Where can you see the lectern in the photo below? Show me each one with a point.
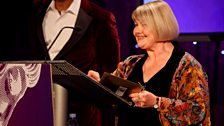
(28, 96)
(74, 79)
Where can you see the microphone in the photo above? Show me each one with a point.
(74, 28)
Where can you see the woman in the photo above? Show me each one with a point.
(176, 86)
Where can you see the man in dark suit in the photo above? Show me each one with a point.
(91, 42)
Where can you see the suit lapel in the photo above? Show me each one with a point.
(82, 24)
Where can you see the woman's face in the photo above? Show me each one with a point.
(143, 35)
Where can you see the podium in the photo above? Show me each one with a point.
(49, 73)
(77, 81)
(39, 96)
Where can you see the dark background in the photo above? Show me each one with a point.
(208, 50)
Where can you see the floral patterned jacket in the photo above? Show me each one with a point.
(188, 100)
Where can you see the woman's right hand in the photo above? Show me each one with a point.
(94, 75)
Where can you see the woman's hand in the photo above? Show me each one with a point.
(94, 75)
(143, 99)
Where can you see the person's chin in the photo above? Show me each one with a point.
(140, 45)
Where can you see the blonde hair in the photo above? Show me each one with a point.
(159, 17)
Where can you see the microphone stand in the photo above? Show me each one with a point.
(58, 36)
(74, 28)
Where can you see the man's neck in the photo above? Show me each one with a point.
(61, 5)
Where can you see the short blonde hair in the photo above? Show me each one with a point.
(159, 17)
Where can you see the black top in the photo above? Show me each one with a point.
(159, 85)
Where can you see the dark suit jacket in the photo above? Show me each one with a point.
(94, 43)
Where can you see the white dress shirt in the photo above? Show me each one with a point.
(54, 21)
